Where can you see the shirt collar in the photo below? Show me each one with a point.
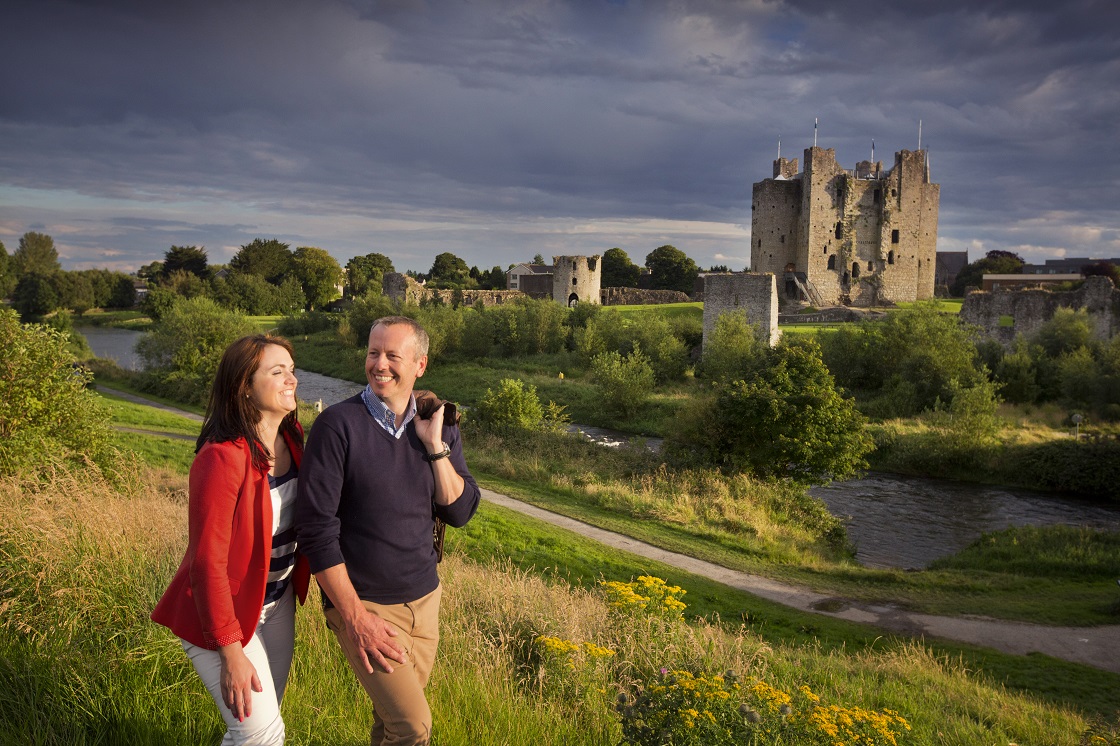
(384, 416)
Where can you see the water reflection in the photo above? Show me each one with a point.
(898, 521)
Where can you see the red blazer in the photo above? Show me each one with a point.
(217, 593)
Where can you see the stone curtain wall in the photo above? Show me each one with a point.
(755, 293)
(402, 287)
(639, 297)
(1033, 307)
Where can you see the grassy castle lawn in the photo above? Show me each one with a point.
(527, 656)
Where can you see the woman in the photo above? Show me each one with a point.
(236, 620)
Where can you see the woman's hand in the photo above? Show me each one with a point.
(239, 680)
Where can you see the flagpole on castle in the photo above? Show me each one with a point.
(814, 132)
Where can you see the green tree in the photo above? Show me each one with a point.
(269, 259)
(618, 270)
(151, 272)
(993, 263)
(319, 275)
(47, 415)
(123, 293)
(671, 269)
(34, 296)
(537, 259)
(7, 273)
(36, 253)
(253, 295)
(365, 273)
(75, 291)
(190, 259)
(1067, 330)
(182, 349)
(448, 270)
(1096, 269)
(783, 419)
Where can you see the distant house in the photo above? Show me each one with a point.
(1016, 282)
(948, 264)
(531, 279)
(1065, 265)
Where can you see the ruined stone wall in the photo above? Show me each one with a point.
(403, 288)
(823, 200)
(576, 278)
(1031, 308)
(755, 293)
(640, 297)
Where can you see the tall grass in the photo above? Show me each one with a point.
(82, 564)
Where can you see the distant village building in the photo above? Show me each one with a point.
(947, 265)
(1065, 265)
(1018, 282)
(832, 236)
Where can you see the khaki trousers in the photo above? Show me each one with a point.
(400, 711)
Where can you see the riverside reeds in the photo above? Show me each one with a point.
(82, 561)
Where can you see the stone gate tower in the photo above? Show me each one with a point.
(833, 236)
(576, 278)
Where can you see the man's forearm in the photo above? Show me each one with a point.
(449, 483)
(335, 582)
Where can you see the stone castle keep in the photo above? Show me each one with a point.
(832, 236)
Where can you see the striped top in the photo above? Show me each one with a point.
(283, 489)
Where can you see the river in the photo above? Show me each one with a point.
(893, 520)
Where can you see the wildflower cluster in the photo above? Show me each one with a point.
(572, 668)
(649, 594)
(682, 708)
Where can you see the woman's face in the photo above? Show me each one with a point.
(273, 385)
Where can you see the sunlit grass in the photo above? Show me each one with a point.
(80, 663)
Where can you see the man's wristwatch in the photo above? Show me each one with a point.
(430, 457)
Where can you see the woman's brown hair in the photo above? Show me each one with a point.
(231, 413)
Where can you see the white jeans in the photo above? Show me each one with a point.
(270, 652)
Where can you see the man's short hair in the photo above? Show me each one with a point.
(418, 334)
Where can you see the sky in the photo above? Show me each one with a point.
(500, 129)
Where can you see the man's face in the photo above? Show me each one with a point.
(392, 365)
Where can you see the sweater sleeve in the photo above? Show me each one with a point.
(318, 493)
(459, 512)
(216, 476)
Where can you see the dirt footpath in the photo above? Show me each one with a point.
(1092, 646)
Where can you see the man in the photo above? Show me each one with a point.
(374, 476)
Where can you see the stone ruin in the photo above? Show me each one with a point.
(755, 293)
(1031, 308)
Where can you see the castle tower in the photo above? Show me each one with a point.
(833, 236)
(576, 278)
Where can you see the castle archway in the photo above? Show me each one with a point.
(572, 300)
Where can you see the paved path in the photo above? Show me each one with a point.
(1093, 646)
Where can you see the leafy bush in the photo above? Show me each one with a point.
(624, 382)
(783, 419)
(609, 331)
(515, 407)
(47, 415)
(182, 350)
(308, 323)
(365, 310)
(733, 346)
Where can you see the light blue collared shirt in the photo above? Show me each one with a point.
(384, 416)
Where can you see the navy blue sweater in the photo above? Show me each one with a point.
(367, 499)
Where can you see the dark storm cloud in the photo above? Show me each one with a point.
(485, 117)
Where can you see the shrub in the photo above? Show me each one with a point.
(733, 347)
(308, 323)
(624, 382)
(47, 414)
(366, 309)
(515, 407)
(182, 350)
(784, 419)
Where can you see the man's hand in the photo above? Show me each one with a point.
(430, 431)
(372, 636)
